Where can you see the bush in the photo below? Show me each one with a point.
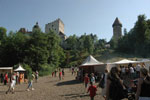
(28, 70)
(46, 69)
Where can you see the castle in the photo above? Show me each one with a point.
(57, 26)
(117, 29)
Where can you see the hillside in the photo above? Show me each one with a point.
(111, 56)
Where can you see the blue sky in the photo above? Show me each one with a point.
(79, 16)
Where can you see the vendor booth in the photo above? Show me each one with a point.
(91, 65)
(124, 62)
(6, 70)
(3, 71)
(20, 74)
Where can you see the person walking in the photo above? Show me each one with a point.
(36, 76)
(5, 79)
(12, 84)
(103, 83)
(60, 74)
(92, 89)
(63, 73)
(86, 80)
(30, 83)
(143, 90)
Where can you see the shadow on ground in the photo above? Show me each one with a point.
(75, 95)
(71, 82)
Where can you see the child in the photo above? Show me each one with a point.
(92, 90)
(92, 78)
(86, 80)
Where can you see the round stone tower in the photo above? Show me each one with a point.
(117, 29)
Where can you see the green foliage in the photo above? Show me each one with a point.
(137, 40)
(28, 70)
(35, 50)
(46, 69)
(2, 33)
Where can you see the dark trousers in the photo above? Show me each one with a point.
(92, 98)
(5, 82)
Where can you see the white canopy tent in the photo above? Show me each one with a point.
(121, 62)
(90, 61)
(125, 61)
(90, 65)
(19, 69)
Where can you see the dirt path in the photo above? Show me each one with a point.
(50, 88)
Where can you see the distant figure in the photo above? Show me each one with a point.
(12, 84)
(92, 90)
(92, 79)
(86, 80)
(30, 84)
(131, 72)
(17, 78)
(2, 78)
(123, 72)
(72, 70)
(36, 76)
(138, 67)
(60, 75)
(143, 90)
(55, 73)
(5, 79)
(63, 73)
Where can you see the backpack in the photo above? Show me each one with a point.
(102, 82)
(116, 91)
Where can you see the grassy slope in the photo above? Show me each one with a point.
(111, 56)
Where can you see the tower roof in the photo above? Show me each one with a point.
(36, 26)
(117, 22)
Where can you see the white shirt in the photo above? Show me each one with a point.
(138, 67)
(123, 70)
(131, 70)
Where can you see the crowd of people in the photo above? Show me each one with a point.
(120, 82)
(61, 73)
(15, 78)
(115, 84)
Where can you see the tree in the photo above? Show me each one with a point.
(2, 33)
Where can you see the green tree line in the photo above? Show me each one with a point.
(46, 51)
(137, 40)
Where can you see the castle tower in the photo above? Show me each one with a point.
(36, 27)
(117, 29)
(57, 26)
